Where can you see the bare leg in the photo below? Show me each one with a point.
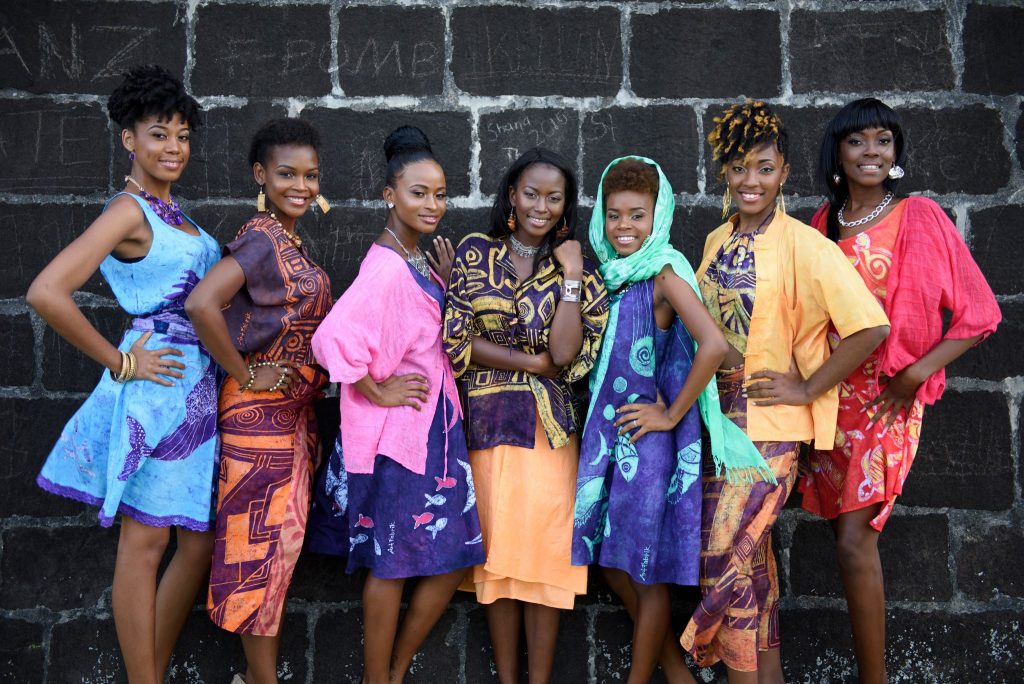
(861, 571)
(769, 667)
(382, 599)
(505, 621)
(429, 600)
(649, 629)
(673, 666)
(261, 658)
(738, 677)
(140, 549)
(176, 593)
(541, 637)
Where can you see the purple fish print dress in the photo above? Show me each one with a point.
(142, 449)
(638, 505)
(393, 521)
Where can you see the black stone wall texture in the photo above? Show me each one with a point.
(486, 80)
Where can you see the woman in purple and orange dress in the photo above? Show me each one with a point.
(275, 298)
(914, 261)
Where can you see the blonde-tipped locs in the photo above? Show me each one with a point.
(742, 128)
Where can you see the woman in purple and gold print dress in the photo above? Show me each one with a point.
(397, 495)
(144, 443)
(275, 297)
(524, 319)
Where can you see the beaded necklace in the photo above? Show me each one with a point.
(417, 260)
(169, 211)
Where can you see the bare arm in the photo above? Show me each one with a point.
(566, 337)
(121, 229)
(398, 390)
(771, 387)
(672, 291)
(203, 307)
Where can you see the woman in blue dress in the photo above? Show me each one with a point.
(144, 443)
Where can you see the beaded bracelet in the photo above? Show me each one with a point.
(252, 375)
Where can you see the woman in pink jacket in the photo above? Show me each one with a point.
(397, 494)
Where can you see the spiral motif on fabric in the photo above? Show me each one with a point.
(309, 285)
(473, 256)
(525, 310)
(878, 264)
(641, 356)
(250, 416)
(293, 343)
(283, 419)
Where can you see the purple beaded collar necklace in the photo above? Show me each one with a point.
(169, 212)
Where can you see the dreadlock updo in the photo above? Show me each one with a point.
(631, 175)
(742, 128)
(151, 90)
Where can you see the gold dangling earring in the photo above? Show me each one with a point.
(780, 201)
(261, 201)
(322, 202)
(512, 220)
(726, 202)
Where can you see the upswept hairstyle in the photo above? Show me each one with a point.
(631, 175)
(151, 90)
(284, 133)
(503, 205)
(405, 145)
(858, 115)
(743, 127)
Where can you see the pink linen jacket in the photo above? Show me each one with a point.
(383, 325)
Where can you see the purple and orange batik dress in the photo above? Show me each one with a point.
(268, 439)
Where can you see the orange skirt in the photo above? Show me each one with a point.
(525, 498)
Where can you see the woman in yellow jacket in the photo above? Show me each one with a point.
(775, 287)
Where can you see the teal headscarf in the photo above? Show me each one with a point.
(730, 446)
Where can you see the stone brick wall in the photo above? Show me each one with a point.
(486, 80)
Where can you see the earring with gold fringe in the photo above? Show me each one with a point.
(261, 201)
(780, 201)
(322, 202)
(726, 202)
(511, 220)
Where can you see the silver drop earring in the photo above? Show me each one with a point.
(896, 172)
(390, 205)
(836, 179)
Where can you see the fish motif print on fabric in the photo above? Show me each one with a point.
(637, 507)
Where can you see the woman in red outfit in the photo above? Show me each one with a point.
(917, 265)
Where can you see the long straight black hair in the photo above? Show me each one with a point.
(503, 205)
(859, 115)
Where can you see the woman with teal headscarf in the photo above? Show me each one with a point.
(638, 494)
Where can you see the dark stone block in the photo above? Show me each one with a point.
(869, 51)
(85, 649)
(262, 50)
(941, 159)
(21, 650)
(16, 342)
(992, 64)
(85, 47)
(1020, 137)
(997, 248)
(613, 647)
(438, 659)
(206, 653)
(352, 159)
(804, 126)
(964, 460)
(338, 634)
(28, 430)
(998, 356)
(391, 50)
(691, 226)
(219, 165)
(691, 53)
(502, 50)
(458, 223)
(36, 571)
(53, 147)
(223, 221)
(507, 134)
(340, 240)
(321, 578)
(985, 560)
(920, 576)
(666, 134)
(33, 234)
(66, 368)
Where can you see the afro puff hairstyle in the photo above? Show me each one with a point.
(281, 133)
(631, 175)
(151, 90)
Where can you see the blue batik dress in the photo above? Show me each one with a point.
(638, 505)
(143, 449)
(393, 521)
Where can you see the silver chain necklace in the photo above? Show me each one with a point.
(417, 260)
(867, 219)
(522, 250)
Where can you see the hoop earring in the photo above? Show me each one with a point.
(780, 201)
(896, 172)
(511, 222)
(261, 201)
(563, 232)
(726, 202)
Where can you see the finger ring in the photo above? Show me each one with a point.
(634, 424)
